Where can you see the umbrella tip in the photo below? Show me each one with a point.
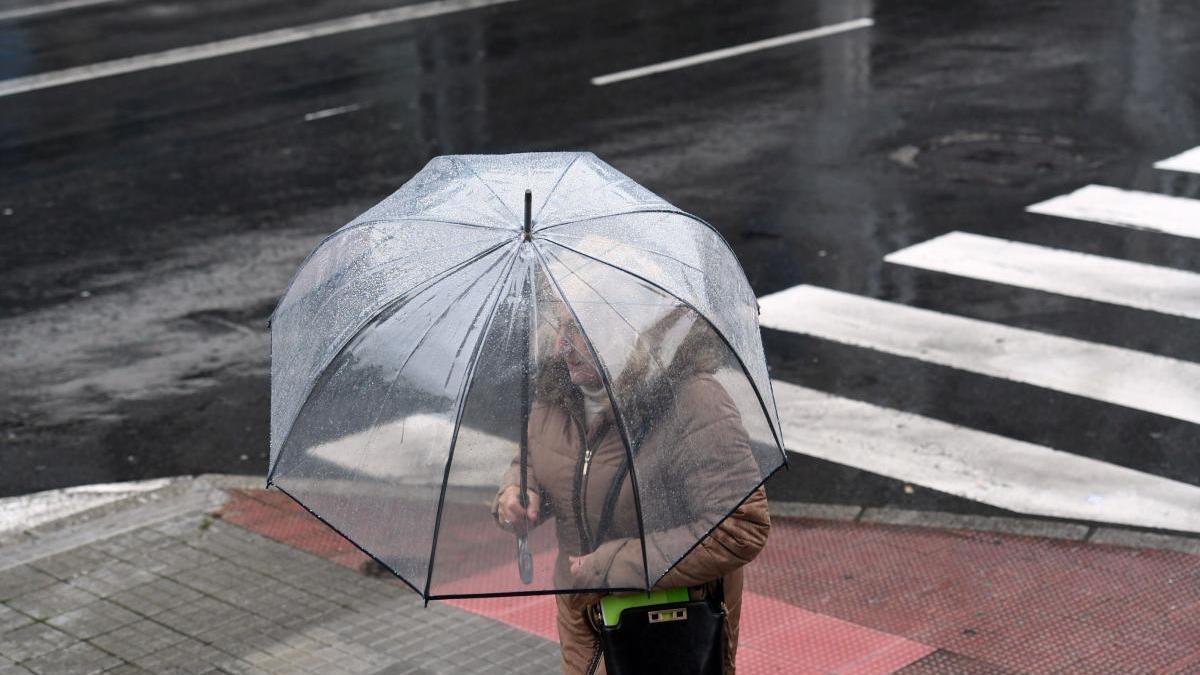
(528, 215)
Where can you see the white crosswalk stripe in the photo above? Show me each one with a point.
(987, 468)
(1127, 208)
(1079, 275)
(1187, 161)
(1155, 384)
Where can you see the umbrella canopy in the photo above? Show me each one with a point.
(415, 342)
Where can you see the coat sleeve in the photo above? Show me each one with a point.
(735, 542)
(714, 443)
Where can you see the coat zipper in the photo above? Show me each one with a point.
(581, 480)
(595, 662)
(581, 506)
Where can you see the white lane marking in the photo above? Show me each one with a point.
(1156, 384)
(980, 466)
(728, 52)
(238, 45)
(49, 7)
(330, 112)
(1080, 275)
(1188, 161)
(1127, 208)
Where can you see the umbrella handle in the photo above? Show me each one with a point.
(524, 559)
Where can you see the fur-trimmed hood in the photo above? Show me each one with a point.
(677, 346)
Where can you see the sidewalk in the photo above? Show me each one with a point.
(212, 576)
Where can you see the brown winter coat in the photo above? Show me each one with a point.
(698, 453)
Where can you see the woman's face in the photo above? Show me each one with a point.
(574, 351)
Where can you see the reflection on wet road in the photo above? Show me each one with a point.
(1027, 169)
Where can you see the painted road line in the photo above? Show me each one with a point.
(1079, 275)
(1155, 384)
(239, 45)
(728, 52)
(988, 468)
(1188, 161)
(332, 112)
(49, 8)
(1127, 208)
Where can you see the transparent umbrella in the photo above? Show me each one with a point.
(533, 322)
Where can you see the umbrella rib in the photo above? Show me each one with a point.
(389, 263)
(414, 219)
(489, 189)
(636, 332)
(374, 427)
(526, 594)
(612, 400)
(354, 226)
(761, 402)
(611, 214)
(464, 393)
(554, 187)
(383, 308)
(673, 210)
(636, 248)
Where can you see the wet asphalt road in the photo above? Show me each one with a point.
(151, 219)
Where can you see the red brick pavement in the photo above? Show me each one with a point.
(831, 596)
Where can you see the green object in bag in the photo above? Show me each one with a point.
(612, 605)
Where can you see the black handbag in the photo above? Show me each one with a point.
(682, 638)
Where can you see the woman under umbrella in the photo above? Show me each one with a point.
(691, 448)
(414, 360)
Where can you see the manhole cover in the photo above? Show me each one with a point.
(997, 158)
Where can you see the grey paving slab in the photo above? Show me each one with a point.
(127, 669)
(186, 599)
(186, 656)
(78, 659)
(134, 545)
(112, 578)
(402, 668)
(138, 639)
(93, 619)
(158, 595)
(22, 580)
(171, 561)
(32, 641)
(11, 619)
(52, 601)
(201, 616)
(67, 565)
